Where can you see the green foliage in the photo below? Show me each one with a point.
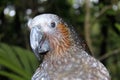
(118, 26)
(18, 63)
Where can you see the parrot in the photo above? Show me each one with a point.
(64, 56)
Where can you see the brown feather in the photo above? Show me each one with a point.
(60, 44)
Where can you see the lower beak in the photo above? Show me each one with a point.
(38, 41)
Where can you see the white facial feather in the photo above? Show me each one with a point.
(44, 21)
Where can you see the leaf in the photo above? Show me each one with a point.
(20, 61)
(117, 26)
(11, 75)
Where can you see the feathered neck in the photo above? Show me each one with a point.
(62, 45)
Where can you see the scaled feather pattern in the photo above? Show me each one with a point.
(65, 57)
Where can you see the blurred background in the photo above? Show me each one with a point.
(97, 21)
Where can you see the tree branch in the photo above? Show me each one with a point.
(104, 10)
(87, 24)
(116, 51)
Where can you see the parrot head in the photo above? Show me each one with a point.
(49, 33)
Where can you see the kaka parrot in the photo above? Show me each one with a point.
(65, 58)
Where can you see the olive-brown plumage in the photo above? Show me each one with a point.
(65, 58)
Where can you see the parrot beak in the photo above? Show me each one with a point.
(38, 41)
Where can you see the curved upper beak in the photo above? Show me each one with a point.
(38, 41)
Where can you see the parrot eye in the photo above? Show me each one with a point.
(53, 24)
